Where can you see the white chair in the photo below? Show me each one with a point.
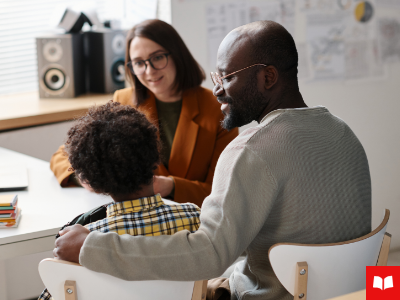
(70, 281)
(316, 272)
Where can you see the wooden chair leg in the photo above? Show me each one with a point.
(70, 290)
(300, 284)
(200, 290)
(384, 253)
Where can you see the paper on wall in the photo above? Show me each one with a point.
(221, 18)
(216, 29)
(340, 43)
(362, 57)
(389, 39)
(282, 12)
(363, 60)
(325, 37)
(237, 15)
(344, 45)
(324, 6)
(389, 4)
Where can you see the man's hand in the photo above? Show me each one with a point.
(68, 245)
(163, 185)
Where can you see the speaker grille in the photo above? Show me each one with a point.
(54, 79)
(118, 44)
(52, 50)
(118, 71)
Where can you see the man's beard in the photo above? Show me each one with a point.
(246, 107)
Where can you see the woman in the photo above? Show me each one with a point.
(166, 87)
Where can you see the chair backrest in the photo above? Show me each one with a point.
(333, 269)
(59, 276)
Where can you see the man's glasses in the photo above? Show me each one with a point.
(157, 62)
(217, 79)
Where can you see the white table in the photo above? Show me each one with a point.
(45, 208)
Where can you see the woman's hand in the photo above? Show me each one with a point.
(163, 185)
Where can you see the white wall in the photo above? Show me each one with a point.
(370, 109)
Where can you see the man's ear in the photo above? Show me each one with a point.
(271, 76)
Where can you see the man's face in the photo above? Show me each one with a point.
(242, 103)
(241, 96)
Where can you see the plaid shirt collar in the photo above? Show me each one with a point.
(141, 204)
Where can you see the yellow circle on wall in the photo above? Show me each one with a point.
(363, 11)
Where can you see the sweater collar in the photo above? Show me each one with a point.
(273, 114)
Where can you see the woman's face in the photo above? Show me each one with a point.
(160, 82)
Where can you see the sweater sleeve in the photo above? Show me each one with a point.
(242, 196)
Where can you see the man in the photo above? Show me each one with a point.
(300, 176)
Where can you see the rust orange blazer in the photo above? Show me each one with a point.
(198, 142)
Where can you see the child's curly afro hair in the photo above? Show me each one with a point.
(113, 148)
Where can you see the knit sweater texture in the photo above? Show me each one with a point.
(300, 176)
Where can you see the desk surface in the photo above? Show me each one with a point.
(26, 109)
(45, 205)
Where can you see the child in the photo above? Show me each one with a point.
(114, 150)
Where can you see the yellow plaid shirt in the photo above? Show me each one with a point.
(148, 216)
(145, 216)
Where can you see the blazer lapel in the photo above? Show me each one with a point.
(185, 135)
(149, 108)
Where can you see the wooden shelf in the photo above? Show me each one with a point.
(27, 109)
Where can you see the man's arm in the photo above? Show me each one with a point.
(241, 199)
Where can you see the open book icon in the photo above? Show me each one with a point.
(383, 284)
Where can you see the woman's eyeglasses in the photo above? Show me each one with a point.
(157, 62)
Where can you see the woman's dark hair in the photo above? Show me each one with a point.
(114, 149)
(189, 73)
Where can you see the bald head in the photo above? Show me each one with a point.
(265, 42)
(258, 66)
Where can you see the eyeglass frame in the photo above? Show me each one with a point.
(223, 77)
(149, 60)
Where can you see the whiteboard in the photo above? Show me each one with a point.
(369, 107)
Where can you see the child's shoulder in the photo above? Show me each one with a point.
(182, 206)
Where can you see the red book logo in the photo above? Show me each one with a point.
(379, 283)
(383, 283)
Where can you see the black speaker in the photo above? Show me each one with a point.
(105, 56)
(61, 68)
